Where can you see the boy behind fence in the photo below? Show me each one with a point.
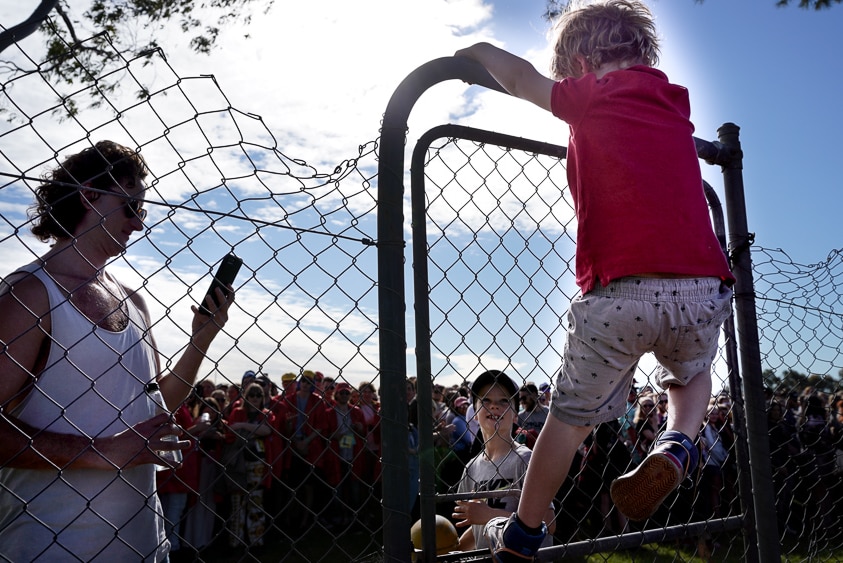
(501, 465)
(652, 274)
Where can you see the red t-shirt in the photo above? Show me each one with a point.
(635, 178)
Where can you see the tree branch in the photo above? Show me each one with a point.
(28, 27)
(67, 23)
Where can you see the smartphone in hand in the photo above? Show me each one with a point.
(224, 277)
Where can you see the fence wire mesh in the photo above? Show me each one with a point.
(500, 244)
(305, 305)
(498, 258)
(501, 275)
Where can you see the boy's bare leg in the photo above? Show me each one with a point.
(518, 538)
(549, 465)
(687, 406)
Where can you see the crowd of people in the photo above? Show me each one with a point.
(806, 452)
(269, 461)
(806, 445)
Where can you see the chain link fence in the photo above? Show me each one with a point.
(497, 251)
(305, 305)
(498, 276)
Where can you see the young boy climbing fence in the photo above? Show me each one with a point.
(651, 271)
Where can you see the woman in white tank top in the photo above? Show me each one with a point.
(78, 432)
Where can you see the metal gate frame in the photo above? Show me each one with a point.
(742, 349)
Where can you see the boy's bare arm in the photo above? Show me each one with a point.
(514, 74)
(468, 512)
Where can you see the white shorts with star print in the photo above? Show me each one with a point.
(610, 328)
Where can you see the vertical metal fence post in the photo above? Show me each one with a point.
(391, 302)
(392, 342)
(750, 355)
(424, 371)
(734, 378)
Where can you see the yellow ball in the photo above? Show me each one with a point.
(447, 539)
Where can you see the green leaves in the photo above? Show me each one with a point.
(815, 4)
(123, 30)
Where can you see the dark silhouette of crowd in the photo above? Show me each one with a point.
(806, 451)
(806, 445)
(276, 463)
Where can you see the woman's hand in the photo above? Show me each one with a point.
(137, 445)
(205, 327)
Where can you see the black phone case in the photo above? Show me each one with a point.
(225, 275)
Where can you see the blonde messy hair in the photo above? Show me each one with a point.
(601, 32)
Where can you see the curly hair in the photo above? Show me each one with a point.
(57, 212)
(605, 31)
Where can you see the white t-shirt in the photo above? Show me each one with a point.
(481, 474)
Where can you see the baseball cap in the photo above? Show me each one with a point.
(491, 377)
(460, 401)
(309, 375)
(288, 377)
(544, 387)
(342, 386)
(247, 375)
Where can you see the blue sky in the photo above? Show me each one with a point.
(775, 72)
(320, 76)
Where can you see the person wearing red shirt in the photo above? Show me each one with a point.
(371, 452)
(306, 425)
(176, 486)
(652, 274)
(344, 467)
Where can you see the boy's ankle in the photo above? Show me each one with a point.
(509, 540)
(538, 530)
(681, 448)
